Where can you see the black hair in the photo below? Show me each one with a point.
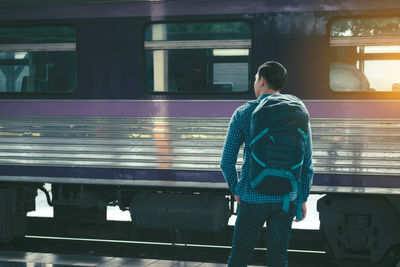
(274, 74)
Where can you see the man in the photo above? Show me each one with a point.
(255, 208)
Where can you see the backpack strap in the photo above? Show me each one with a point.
(260, 135)
(303, 134)
(286, 203)
(286, 198)
(254, 102)
(299, 209)
(297, 165)
(258, 160)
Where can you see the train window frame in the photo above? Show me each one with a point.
(335, 41)
(47, 50)
(213, 44)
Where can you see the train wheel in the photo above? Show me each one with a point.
(391, 259)
(361, 230)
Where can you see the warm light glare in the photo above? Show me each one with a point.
(382, 74)
(382, 49)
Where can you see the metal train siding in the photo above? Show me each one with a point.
(119, 103)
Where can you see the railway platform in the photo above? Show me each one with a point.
(34, 259)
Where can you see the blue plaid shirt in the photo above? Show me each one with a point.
(239, 132)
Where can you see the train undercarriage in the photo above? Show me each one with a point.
(355, 230)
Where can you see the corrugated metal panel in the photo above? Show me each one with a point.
(340, 146)
(356, 146)
(166, 143)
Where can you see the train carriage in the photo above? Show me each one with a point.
(127, 103)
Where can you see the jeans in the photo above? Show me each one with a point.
(250, 220)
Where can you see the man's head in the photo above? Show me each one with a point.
(271, 77)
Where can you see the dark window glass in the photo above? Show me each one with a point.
(198, 57)
(37, 59)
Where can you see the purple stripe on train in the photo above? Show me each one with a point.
(317, 109)
(113, 173)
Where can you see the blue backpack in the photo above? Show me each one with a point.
(278, 128)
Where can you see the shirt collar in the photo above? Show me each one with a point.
(263, 96)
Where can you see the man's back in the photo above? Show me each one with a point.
(239, 133)
(256, 208)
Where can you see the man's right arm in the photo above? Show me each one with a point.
(234, 139)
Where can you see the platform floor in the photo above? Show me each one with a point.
(34, 259)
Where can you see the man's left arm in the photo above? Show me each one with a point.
(307, 172)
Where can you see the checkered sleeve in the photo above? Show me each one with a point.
(308, 169)
(233, 141)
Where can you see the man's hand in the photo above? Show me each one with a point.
(304, 210)
(237, 198)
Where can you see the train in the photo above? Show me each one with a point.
(127, 103)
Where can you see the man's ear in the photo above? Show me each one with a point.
(262, 81)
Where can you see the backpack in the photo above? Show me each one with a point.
(278, 129)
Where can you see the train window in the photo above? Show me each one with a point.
(201, 57)
(365, 54)
(37, 59)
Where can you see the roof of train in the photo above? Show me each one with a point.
(283, 4)
(58, 9)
